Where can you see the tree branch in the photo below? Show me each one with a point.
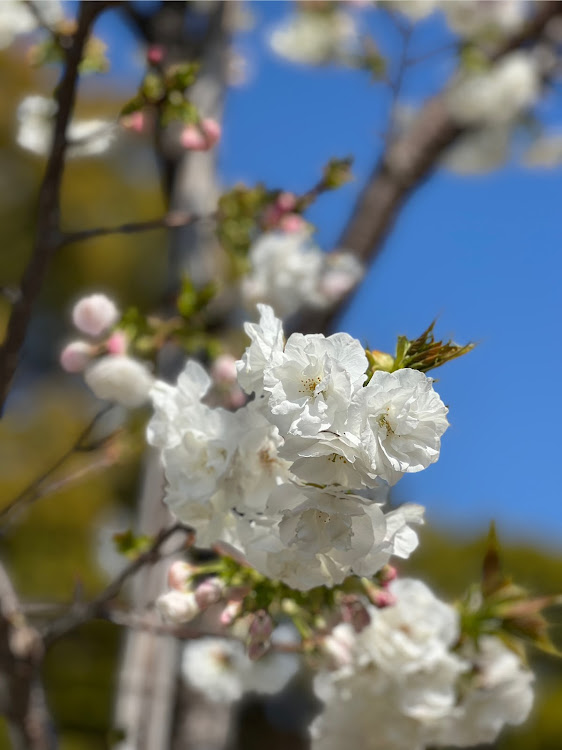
(34, 489)
(47, 237)
(403, 167)
(97, 608)
(170, 220)
(22, 699)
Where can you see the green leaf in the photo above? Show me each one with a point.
(131, 545)
(424, 353)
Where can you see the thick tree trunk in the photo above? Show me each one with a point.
(148, 682)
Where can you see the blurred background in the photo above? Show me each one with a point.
(479, 252)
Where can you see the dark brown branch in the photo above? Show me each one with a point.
(48, 237)
(97, 608)
(35, 489)
(170, 220)
(405, 164)
(22, 701)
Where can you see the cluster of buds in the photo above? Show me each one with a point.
(192, 591)
(282, 215)
(163, 94)
(108, 370)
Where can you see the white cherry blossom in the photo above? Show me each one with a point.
(223, 672)
(403, 422)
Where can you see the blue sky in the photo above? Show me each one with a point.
(481, 253)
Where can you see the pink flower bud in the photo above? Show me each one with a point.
(135, 122)
(230, 613)
(177, 607)
(201, 137)
(292, 223)
(223, 370)
(180, 574)
(209, 592)
(286, 202)
(155, 54)
(76, 356)
(387, 574)
(355, 613)
(271, 216)
(117, 343)
(259, 635)
(94, 314)
(236, 397)
(339, 644)
(382, 598)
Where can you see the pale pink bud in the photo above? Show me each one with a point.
(209, 592)
(180, 574)
(339, 644)
(387, 574)
(286, 202)
(236, 397)
(94, 314)
(230, 613)
(135, 122)
(177, 607)
(117, 343)
(155, 54)
(76, 356)
(121, 379)
(355, 613)
(223, 370)
(292, 223)
(272, 216)
(201, 137)
(382, 598)
(259, 635)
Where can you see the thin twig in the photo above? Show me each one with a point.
(97, 608)
(48, 236)
(22, 701)
(170, 220)
(424, 56)
(35, 489)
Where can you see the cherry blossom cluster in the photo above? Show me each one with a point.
(109, 372)
(288, 271)
(296, 480)
(408, 681)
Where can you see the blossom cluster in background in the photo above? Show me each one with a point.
(407, 681)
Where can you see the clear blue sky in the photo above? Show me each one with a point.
(482, 253)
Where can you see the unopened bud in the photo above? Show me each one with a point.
(121, 379)
(286, 201)
(94, 314)
(383, 598)
(387, 574)
(292, 223)
(201, 137)
(339, 644)
(76, 356)
(136, 122)
(380, 360)
(177, 607)
(230, 613)
(223, 370)
(117, 343)
(209, 592)
(180, 574)
(355, 613)
(155, 54)
(259, 635)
